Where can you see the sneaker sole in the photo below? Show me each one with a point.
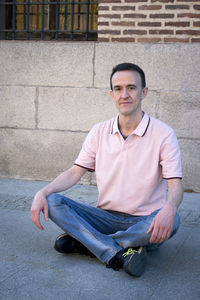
(77, 247)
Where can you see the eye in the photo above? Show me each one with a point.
(132, 87)
(117, 88)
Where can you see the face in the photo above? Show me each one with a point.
(127, 92)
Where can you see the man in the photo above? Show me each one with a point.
(134, 156)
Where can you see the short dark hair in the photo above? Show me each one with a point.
(128, 67)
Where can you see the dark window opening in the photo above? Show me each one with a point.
(48, 20)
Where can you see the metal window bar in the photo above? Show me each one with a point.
(57, 19)
(28, 21)
(13, 21)
(40, 19)
(87, 20)
(42, 27)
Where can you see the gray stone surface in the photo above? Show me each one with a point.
(31, 269)
(167, 66)
(150, 104)
(18, 107)
(190, 156)
(46, 64)
(180, 277)
(37, 154)
(185, 119)
(73, 109)
(52, 94)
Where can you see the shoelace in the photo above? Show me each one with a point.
(129, 252)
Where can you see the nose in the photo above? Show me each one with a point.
(125, 93)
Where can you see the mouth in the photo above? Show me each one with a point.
(125, 103)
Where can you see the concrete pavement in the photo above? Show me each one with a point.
(31, 269)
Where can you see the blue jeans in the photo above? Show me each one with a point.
(103, 232)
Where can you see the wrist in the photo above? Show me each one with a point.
(43, 193)
(172, 206)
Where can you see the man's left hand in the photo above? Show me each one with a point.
(162, 224)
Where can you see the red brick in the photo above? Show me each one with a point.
(177, 6)
(109, 16)
(109, 1)
(161, 31)
(149, 24)
(150, 7)
(103, 39)
(163, 1)
(189, 15)
(187, 0)
(195, 40)
(123, 23)
(177, 24)
(197, 23)
(148, 40)
(108, 31)
(123, 39)
(135, 1)
(103, 23)
(135, 16)
(161, 16)
(103, 8)
(123, 8)
(176, 40)
(137, 32)
(196, 6)
(188, 32)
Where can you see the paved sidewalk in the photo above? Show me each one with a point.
(31, 269)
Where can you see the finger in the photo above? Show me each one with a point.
(154, 235)
(163, 235)
(168, 234)
(151, 227)
(36, 219)
(46, 212)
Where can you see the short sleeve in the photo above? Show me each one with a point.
(87, 156)
(170, 158)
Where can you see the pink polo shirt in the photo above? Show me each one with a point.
(131, 173)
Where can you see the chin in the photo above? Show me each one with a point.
(126, 113)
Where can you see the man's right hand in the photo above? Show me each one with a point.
(39, 204)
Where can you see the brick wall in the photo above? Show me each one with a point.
(149, 21)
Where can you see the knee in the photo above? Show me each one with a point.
(53, 199)
(54, 203)
(176, 225)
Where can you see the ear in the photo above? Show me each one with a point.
(144, 92)
(112, 94)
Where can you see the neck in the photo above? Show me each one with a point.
(127, 124)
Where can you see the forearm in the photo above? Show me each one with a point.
(162, 224)
(64, 181)
(175, 192)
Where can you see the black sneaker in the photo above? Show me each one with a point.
(135, 261)
(132, 260)
(67, 244)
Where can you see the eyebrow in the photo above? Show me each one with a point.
(129, 85)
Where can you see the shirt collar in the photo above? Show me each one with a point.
(141, 128)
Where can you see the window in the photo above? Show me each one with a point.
(48, 20)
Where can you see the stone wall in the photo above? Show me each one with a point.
(52, 93)
(149, 21)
